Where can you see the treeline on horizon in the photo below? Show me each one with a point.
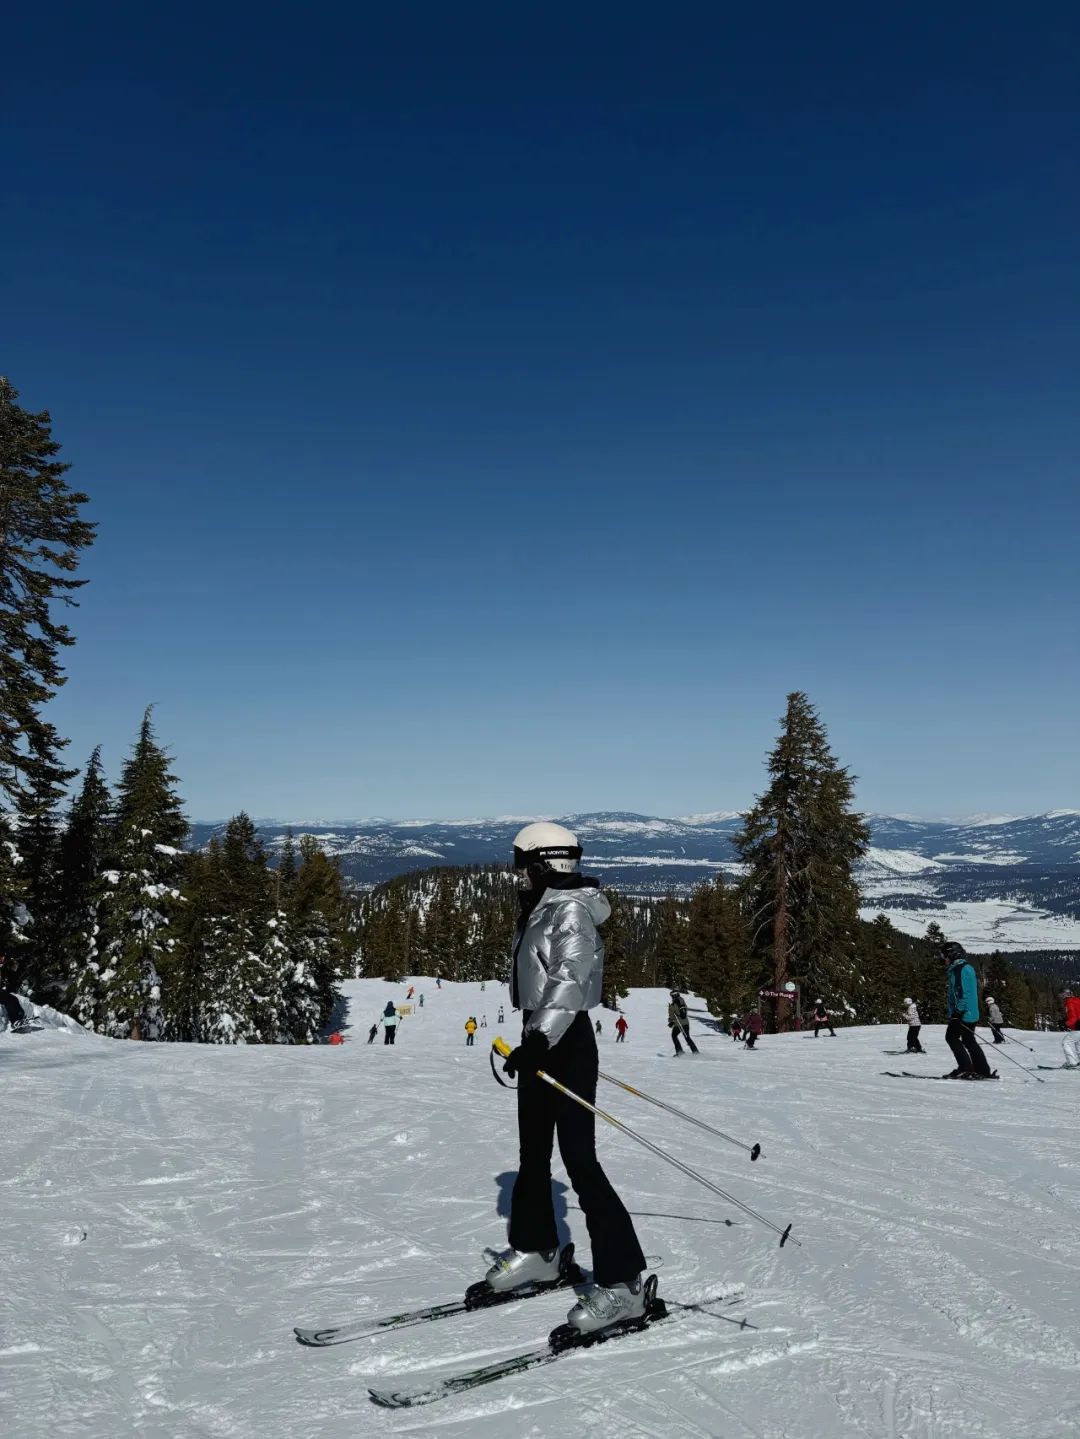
(456, 922)
(105, 913)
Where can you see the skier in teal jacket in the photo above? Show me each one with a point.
(962, 994)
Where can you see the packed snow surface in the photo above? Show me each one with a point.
(169, 1212)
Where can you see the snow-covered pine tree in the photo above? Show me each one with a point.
(80, 886)
(241, 1000)
(800, 843)
(41, 536)
(144, 869)
(319, 946)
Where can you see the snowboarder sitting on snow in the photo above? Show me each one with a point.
(752, 1027)
(914, 1024)
(962, 996)
(621, 1027)
(995, 1019)
(1071, 1043)
(556, 978)
(822, 1019)
(470, 1030)
(679, 1022)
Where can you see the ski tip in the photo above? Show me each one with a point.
(755, 1153)
(784, 1237)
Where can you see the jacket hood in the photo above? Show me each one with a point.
(594, 901)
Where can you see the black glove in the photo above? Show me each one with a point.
(529, 1055)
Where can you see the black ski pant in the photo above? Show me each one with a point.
(913, 1045)
(751, 1040)
(12, 1008)
(389, 1033)
(543, 1112)
(827, 1026)
(967, 1051)
(469, 1039)
(995, 1029)
(676, 1031)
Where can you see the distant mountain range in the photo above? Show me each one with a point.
(993, 882)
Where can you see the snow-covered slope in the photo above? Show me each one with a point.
(169, 1212)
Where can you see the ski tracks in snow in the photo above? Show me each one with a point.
(228, 1194)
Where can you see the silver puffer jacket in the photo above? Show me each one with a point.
(558, 964)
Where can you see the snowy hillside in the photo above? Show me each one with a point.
(170, 1212)
(1009, 883)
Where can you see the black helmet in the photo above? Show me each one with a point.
(951, 950)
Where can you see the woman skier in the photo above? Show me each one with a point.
(556, 978)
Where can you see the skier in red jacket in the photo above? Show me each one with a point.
(621, 1027)
(1071, 1043)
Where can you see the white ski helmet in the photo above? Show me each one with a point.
(908, 999)
(989, 999)
(548, 846)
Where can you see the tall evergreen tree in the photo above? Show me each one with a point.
(145, 866)
(35, 951)
(80, 886)
(241, 999)
(41, 536)
(718, 964)
(800, 843)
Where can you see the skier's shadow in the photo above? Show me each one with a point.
(559, 1191)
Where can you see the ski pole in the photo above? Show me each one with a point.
(754, 1149)
(971, 1030)
(501, 1047)
(1010, 1040)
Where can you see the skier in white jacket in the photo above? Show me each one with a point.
(914, 1024)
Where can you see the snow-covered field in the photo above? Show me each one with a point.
(169, 1212)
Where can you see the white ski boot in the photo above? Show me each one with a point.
(513, 1269)
(602, 1306)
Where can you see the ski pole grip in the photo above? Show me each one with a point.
(500, 1046)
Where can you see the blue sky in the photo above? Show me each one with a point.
(492, 412)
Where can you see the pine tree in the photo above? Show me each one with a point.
(41, 536)
(800, 843)
(882, 976)
(617, 935)
(718, 965)
(669, 968)
(145, 865)
(927, 984)
(320, 941)
(35, 952)
(80, 887)
(241, 1002)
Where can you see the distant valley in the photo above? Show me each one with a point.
(994, 883)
